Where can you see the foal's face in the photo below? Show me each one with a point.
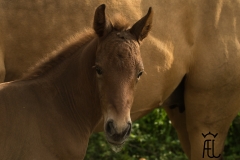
(118, 69)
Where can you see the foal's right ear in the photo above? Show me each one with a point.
(142, 27)
(101, 24)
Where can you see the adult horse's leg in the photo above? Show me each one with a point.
(178, 121)
(208, 118)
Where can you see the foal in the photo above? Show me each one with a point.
(51, 113)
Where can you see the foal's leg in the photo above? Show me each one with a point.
(209, 112)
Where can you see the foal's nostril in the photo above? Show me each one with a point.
(128, 130)
(110, 129)
(112, 133)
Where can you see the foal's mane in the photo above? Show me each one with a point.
(70, 47)
(62, 52)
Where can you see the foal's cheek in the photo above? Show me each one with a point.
(99, 85)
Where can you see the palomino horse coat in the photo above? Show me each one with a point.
(52, 111)
(195, 39)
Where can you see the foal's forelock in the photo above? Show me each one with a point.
(120, 51)
(126, 57)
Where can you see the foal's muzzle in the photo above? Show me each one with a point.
(117, 136)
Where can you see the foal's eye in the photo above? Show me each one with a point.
(139, 74)
(98, 70)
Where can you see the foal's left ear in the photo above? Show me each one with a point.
(101, 24)
(142, 27)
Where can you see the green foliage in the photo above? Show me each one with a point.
(232, 143)
(154, 138)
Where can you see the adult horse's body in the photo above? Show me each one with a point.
(198, 40)
(52, 111)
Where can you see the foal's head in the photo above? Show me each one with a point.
(118, 68)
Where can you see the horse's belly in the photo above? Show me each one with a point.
(215, 77)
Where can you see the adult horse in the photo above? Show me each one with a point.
(51, 112)
(198, 40)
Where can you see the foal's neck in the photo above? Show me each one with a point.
(75, 83)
